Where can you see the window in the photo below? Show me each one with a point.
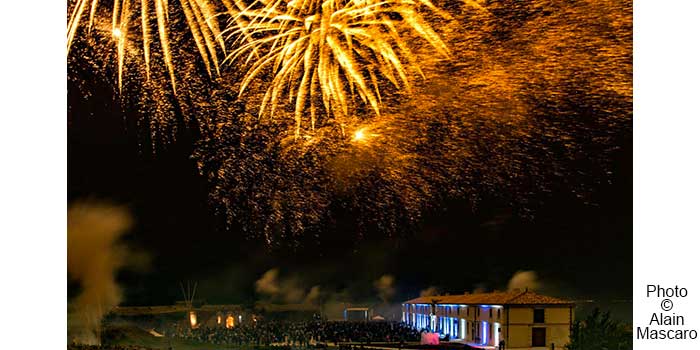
(539, 336)
(490, 313)
(538, 316)
(499, 314)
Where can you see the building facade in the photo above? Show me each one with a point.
(510, 320)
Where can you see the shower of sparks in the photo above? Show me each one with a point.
(536, 99)
(200, 16)
(328, 52)
(359, 135)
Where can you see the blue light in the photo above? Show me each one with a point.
(484, 324)
(496, 327)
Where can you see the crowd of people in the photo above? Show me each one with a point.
(300, 334)
(106, 347)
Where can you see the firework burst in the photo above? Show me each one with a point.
(507, 120)
(328, 52)
(153, 16)
(533, 100)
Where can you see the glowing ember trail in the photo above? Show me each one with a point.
(506, 117)
(328, 52)
(201, 20)
(328, 106)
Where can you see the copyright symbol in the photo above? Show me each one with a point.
(666, 305)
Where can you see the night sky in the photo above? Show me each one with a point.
(584, 249)
(580, 250)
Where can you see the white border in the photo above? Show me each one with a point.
(33, 176)
(33, 167)
(666, 160)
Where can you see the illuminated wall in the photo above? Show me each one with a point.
(193, 319)
(556, 322)
(488, 325)
(477, 324)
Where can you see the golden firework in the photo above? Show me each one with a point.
(507, 120)
(327, 52)
(199, 14)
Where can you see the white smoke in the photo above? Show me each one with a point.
(313, 295)
(267, 284)
(288, 290)
(94, 256)
(385, 287)
(430, 291)
(524, 280)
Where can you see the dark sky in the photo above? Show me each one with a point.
(577, 249)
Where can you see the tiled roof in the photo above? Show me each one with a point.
(515, 297)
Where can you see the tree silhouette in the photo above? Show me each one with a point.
(599, 332)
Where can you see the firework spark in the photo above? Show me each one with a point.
(535, 99)
(507, 119)
(200, 16)
(329, 51)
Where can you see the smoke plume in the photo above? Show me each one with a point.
(94, 256)
(313, 295)
(430, 291)
(385, 287)
(288, 290)
(267, 284)
(524, 280)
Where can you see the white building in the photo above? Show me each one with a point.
(515, 319)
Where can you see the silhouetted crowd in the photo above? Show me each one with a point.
(106, 347)
(301, 334)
